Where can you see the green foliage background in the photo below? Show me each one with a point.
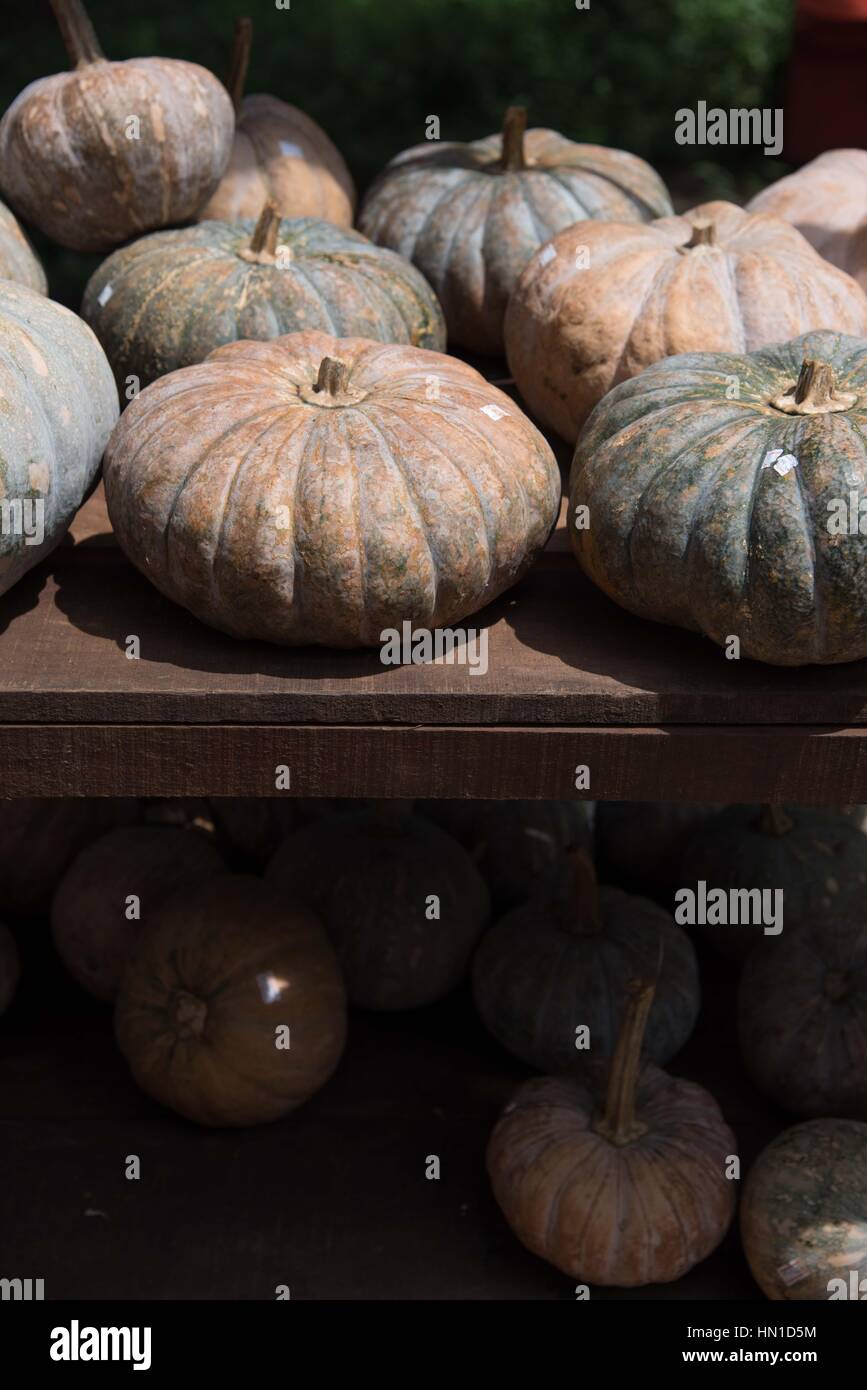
(371, 71)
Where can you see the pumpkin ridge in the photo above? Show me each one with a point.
(365, 283)
(368, 274)
(228, 277)
(439, 273)
(174, 273)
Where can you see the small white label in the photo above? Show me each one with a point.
(547, 254)
(287, 147)
(493, 412)
(104, 296)
(780, 462)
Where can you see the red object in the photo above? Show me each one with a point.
(826, 96)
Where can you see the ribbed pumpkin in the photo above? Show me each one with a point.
(603, 301)
(18, 261)
(804, 1212)
(40, 838)
(278, 154)
(401, 901)
(714, 485)
(564, 960)
(514, 843)
(471, 216)
(816, 858)
(9, 968)
(90, 914)
(802, 1016)
(319, 489)
(231, 1010)
(250, 829)
(170, 299)
(616, 1176)
(641, 843)
(110, 150)
(59, 404)
(827, 202)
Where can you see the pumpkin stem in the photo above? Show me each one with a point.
(334, 378)
(77, 32)
(775, 821)
(619, 1124)
(239, 60)
(514, 127)
(586, 917)
(190, 1014)
(814, 393)
(263, 243)
(703, 234)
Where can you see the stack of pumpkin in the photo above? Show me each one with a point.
(280, 370)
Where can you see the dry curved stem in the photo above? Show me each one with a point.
(77, 32)
(262, 249)
(585, 916)
(814, 393)
(619, 1124)
(239, 60)
(333, 377)
(514, 129)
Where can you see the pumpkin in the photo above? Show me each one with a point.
(18, 260)
(470, 216)
(721, 512)
(250, 829)
(401, 901)
(325, 490)
(642, 842)
(93, 922)
(9, 968)
(514, 843)
(59, 407)
(804, 1212)
(802, 1016)
(40, 838)
(95, 156)
(816, 858)
(618, 1175)
(827, 202)
(604, 300)
(564, 960)
(169, 299)
(231, 1009)
(278, 154)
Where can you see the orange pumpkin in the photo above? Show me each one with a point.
(232, 1009)
(616, 1176)
(9, 967)
(278, 154)
(827, 202)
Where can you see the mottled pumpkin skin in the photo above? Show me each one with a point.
(691, 522)
(827, 202)
(59, 405)
(18, 261)
(819, 863)
(471, 226)
(280, 153)
(604, 301)
(641, 843)
(274, 510)
(9, 967)
(67, 165)
(39, 838)
(544, 969)
(217, 971)
(370, 880)
(802, 1017)
(804, 1210)
(89, 924)
(170, 299)
(514, 843)
(639, 1213)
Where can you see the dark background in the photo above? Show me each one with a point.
(371, 71)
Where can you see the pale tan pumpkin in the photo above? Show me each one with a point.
(232, 1008)
(316, 489)
(617, 1175)
(74, 166)
(9, 967)
(827, 202)
(18, 260)
(602, 301)
(280, 154)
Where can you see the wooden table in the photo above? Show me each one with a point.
(653, 712)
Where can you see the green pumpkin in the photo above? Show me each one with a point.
(714, 491)
(167, 300)
(567, 957)
(640, 843)
(817, 858)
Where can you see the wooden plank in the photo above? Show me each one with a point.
(559, 653)
(820, 766)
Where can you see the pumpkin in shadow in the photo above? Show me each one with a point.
(10, 968)
(39, 838)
